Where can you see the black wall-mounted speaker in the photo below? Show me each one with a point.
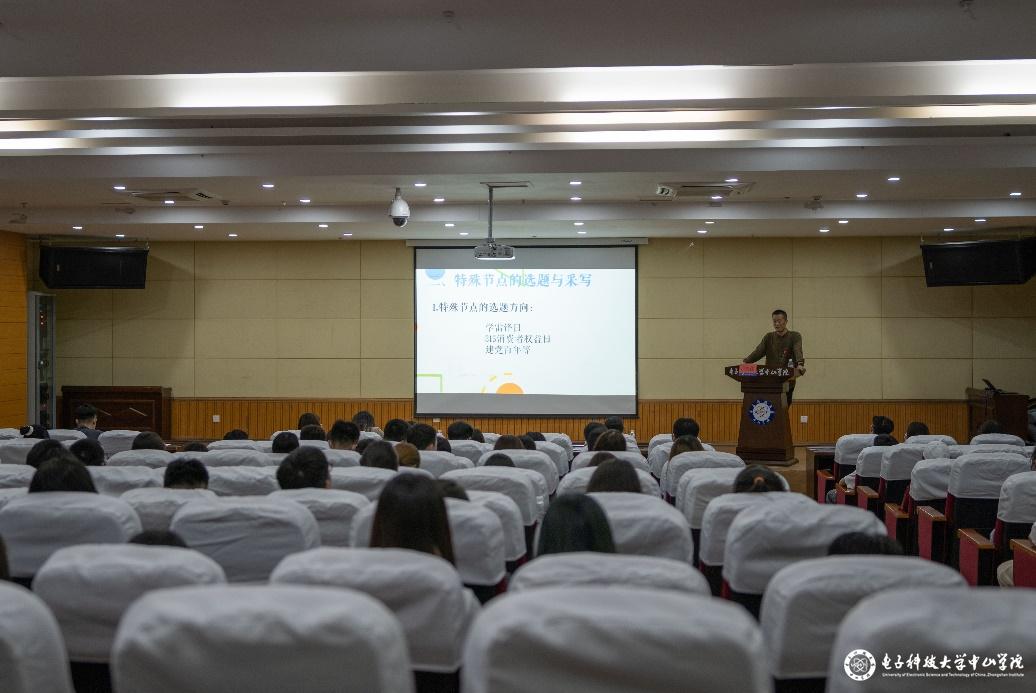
(71, 267)
(971, 263)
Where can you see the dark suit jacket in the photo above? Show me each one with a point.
(91, 433)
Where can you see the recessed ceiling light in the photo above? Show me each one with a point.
(732, 180)
(439, 199)
(980, 221)
(346, 234)
(1016, 194)
(420, 185)
(710, 222)
(77, 228)
(703, 231)
(231, 235)
(717, 197)
(449, 224)
(581, 233)
(575, 199)
(120, 235)
(199, 226)
(893, 179)
(304, 200)
(268, 186)
(861, 196)
(825, 230)
(321, 226)
(843, 221)
(577, 223)
(948, 228)
(575, 182)
(463, 233)
(170, 202)
(118, 187)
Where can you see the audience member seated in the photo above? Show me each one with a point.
(498, 459)
(308, 419)
(185, 473)
(147, 440)
(422, 436)
(599, 457)
(536, 436)
(89, 452)
(407, 455)
(990, 426)
(917, 428)
(757, 479)
(615, 476)
(442, 445)
(362, 444)
(344, 435)
(685, 444)
(86, 421)
(306, 467)
(195, 446)
(379, 453)
(312, 432)
(364, 421)
(64, 473)
(34, 431)
(158, 537)
(590, 433)
(610, 440)
(575, 522)
(459, 430)
(451, 489)
(883, 425)
(476, 435)
(528, 442)
(686, 426)
(396, 430)
(285, 441)
(854, 543)
(236, 434)
(614, 423)
(509, 443)
(43, 451)
(411, 514)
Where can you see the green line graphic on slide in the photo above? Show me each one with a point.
(437, 376)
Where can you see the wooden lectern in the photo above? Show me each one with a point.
(1011, 409)
(765, 432)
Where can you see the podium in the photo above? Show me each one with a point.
(1011, 409)
(765, 431)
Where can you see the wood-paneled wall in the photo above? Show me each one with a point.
(827, 419)
(13, 288)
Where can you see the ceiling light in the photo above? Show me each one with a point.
(825, 230)
(843, 221)
(577, 223)
(732, 180)
(321, 226)
(575, 199)
(703, 231)
(980, 221)
(170, 202)
(304, 200)
(1016, 194)
(449, 224)
(420, 185)
(439, 199)
(463, 233)
(77, 228)
(716, 197)
(948, 228)
(268, 186)
(710, 222)
(581, 233)
(861, 196)
(346, 234)
(120, 235)
(231, 235)
(199, 226)
(575, 182)
(893, 179)
(118, 187)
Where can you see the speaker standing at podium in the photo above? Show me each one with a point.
(782, 347)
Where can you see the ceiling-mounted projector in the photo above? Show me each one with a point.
(491, 250)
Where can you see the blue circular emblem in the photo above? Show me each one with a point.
(762, 412)
(435, 274)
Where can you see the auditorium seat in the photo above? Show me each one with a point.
(510, 517)
(16, 451)
(423, 591)
(557, 453)
(491, 438)
(65, 434)
(578, 480)
(8, 494)
(233, 445)
(943, 622)
(925, 439)
(1015, 514)
(697, 487)
(997, 439)
(929, 481)
(686, 461)
(228, 457)
(592, 569)
(113, 442)
(242, 481)
(438, 463)
(342, 458)
(517, 484)
(470, 449)
(533, 460)
(89, 587)
(247, 536)
(806, 601)
(156, 459)
(847, 449)
(865, 476)
(612, 640)
(319, 444)
(156, 506)
(367, 481)
(16, 475)
(562, 440)
(658, 439)
(646, 526)
(295, 432)
(333, 509)
(37, 524)
(895, 464)
(115, 481)
(1024, 557)
(260, 638)
(32, 652)
(582, 460)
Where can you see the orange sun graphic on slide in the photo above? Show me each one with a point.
(504, 387)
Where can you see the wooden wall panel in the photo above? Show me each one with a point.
(827, 419)
(13, 345)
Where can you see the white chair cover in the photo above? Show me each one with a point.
(37, 524)
(491, 438)
(698, 487)
(369, 434)
(980, 475)
(608, 570)
(293, 430)
(1018, 498)
(685, 461)
(342, 458)
(116, 441)
(16, 475)
(658, 439)
(322, 444)
(930, 479)
(423, 591)
(806, 601)
(243, 481)
(32, 652)
(534, 460)
(582, 460)
(438, 463)
(997, 439)
(613, 640)
(720, 514)
(631, 440)
(367, 481)
(115, 481)
(510, 517)
(659, 455)
(16, 451)
(260, 639)
(233, 445)
(947, 621)
(469, 449)
(265, 446)
(415, 470)
(561, 439)
(516, 484)
(848, 447)
(333, 510)
(578, 480)
(762, 540)
(646, 526)
(898, 461)
(9, 433)
(156, 506)
(229, 457)
(156, 459)
(63, 434)
(89, 587)
(556, 453)
(925, 439)
(868, 461)
(247, 536)
(937, 450)
(9, 494)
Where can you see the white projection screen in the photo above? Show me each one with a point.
(553, 332)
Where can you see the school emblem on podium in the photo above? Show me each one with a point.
(762, 412)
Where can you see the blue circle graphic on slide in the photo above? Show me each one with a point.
(435, 274)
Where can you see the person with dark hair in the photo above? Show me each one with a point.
(685, 426)
(591, 432)
(443, 445)
(917, 428)
(422, 436)
(308, 419)
(195, 446)
(379, 453)
(599, 457)
(590, 425)
(499, 459)
(312, 432)
(757, 478)
(990, 426)
(476, 435)
(147, 440)
(158, 537)
(528, 442)
(411, 514)
(362, 444)
(44, 450)
(235, 434)
(88, 451)
(185, 473)
(610, 440)
(459, 430)
(64, 473)
(536, 436)
(305, 467)
(407, 454)
(508, 442)
(685, 444)
(86, 421)
(856, 543)
(884, 440)
(614, 423)
(34, 431)
(451, 489)
(781, 348)
(344, 435)
(575, 522)
(364, 421)
(882, 424)
(614, 476)
(285, 441)
(396, 430)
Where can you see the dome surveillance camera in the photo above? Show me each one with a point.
(399, 210)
